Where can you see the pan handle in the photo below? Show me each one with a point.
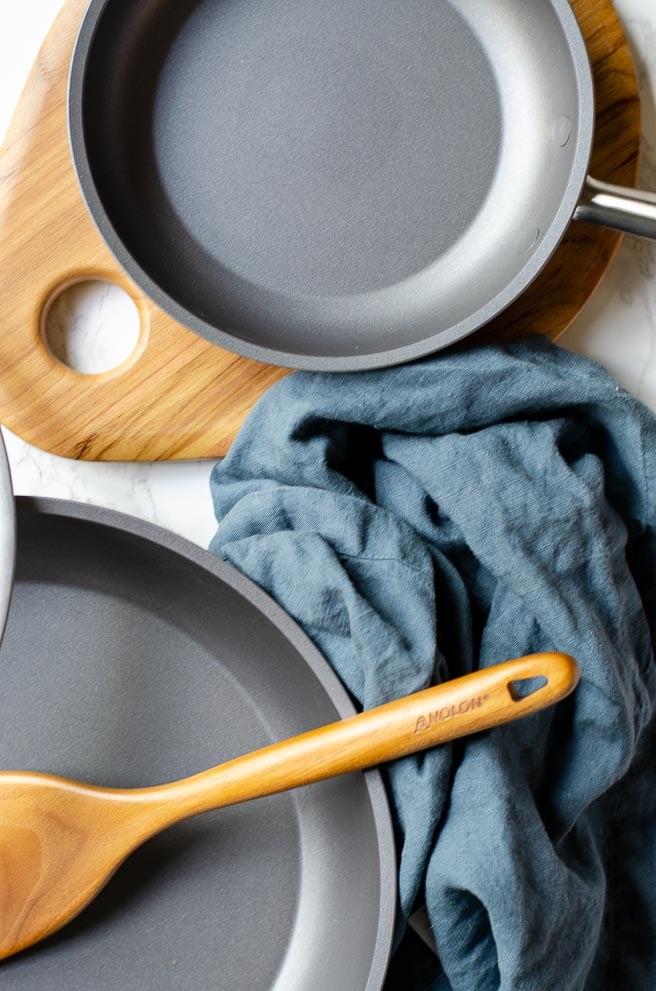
(631, 211)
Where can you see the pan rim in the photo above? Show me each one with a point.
(319, 666)
(413, 351)
(7, 536)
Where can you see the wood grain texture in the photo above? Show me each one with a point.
(61, 841)
(178, 396)
(563, 288)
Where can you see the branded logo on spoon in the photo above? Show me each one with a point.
(450, 712)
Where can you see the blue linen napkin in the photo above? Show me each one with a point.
(428, 520)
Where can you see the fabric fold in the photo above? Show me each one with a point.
(431, 519)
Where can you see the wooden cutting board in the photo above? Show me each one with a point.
(178, 396)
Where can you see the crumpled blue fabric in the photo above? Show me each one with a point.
(425, 521)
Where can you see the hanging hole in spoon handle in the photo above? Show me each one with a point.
(497, 695)
(632, 211)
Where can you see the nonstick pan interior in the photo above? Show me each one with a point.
(332, 185)
(132, 658)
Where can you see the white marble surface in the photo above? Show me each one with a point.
(618, 327)
(92, 326)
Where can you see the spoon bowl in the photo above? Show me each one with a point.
(52, 858)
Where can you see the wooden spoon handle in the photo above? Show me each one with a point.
(476, 702)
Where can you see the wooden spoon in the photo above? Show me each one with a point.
(61, 841)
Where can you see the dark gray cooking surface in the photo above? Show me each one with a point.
(126, 663)
(334, 203)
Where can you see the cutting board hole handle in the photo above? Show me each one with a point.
(93, 326)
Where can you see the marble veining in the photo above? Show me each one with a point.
(617, 327)
(92, 326)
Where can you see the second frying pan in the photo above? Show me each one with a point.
(132, 656)
(336, 186)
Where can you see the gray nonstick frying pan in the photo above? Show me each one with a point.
(131, 656)
(337, 185)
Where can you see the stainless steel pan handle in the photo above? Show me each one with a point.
(629, 210)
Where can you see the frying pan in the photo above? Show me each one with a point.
(130, 656)
(337, 186)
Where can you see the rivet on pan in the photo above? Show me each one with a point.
(562, 131)
(528, 240)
